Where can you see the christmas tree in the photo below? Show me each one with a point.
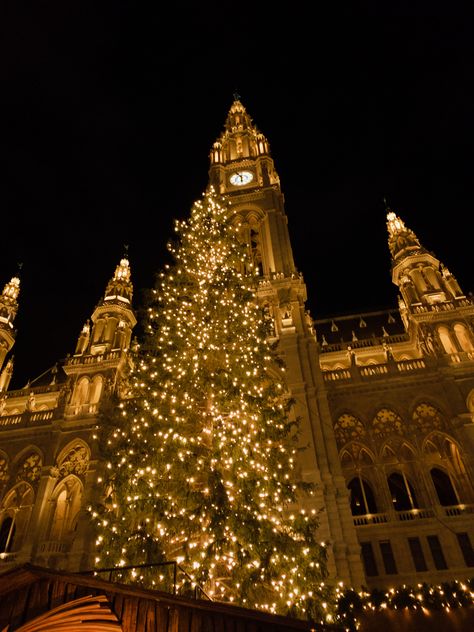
(201, 457)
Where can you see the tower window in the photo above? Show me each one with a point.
(437, 552)
(417, 554)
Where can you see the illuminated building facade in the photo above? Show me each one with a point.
(386, 402)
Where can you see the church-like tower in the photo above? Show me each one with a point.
(8, 311)
(243, 170)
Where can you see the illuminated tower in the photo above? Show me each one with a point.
(243, 170)
(8, 311)
(102, 346)
(432, 304)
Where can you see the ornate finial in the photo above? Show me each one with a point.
(20, 265)
(236, 96)
(125, 251)
(385, 203)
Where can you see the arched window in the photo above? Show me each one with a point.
(362, 497)
(96, 389)
(16, 510)
(464, 339)
(7, 534)
(59, 517)
(446, 340)
(444, 488)
(403, 494)
(81, 392)
(68, 499)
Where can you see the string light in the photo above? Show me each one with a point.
(201, 457)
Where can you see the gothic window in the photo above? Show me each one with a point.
(444, 487)
(348, 428)
(29, 468)
(67, 500)
(110, 327)
(7, 535)
(403, 494)
(250, 235)
(96, 389)
(362, 497)
(446, 340)
(81, 392)
(16, 507)
(463, 337)
(98, 330)
(387, 422)
(427, 418)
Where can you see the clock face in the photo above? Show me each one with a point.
(240, 178)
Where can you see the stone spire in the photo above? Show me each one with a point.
(8, 311)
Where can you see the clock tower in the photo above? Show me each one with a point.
(243, 170)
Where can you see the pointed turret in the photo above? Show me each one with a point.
(8, 311)
(421, 277)
(113, 319)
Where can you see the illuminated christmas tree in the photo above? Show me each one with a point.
(201, 458)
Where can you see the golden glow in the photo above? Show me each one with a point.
(201, 461)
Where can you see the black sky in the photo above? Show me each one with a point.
(109, 111)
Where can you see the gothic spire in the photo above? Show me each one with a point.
(241, 139)
(120, 287)
(8, 311)
(401, 240)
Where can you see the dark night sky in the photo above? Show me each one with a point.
(109, 111)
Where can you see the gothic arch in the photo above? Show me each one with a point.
(73, 459)
(348, 428)
(66, 503)
(386, 422)
(445, 487)
(95, 389)
(246, 210)
(427, 417)
(402, 491)
(443, 453)
(356, 454)
(16, 507)
(80, 395)
(362, 497)
(28, 464)
(398, 450)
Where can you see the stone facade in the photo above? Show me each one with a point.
(386, 401)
